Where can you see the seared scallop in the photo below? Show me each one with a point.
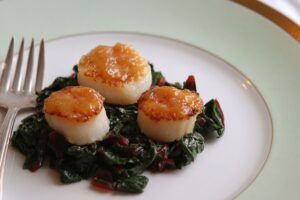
(78, 114)
(118, 72)
(166, 113)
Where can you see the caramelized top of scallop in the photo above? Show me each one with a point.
(170, 103)
(74, 103)
(114, 65)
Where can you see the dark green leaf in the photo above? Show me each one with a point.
(124, 154)
(133, 184)
(81, 160)
(67, 176)
(210, 123)
(26, 136)
(156, 75)
(186, 149)
(110, 158)
(192, 144)
(146, 157)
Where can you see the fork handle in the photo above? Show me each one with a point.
(5, 134)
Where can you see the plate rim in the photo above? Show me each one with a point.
(236, 69)
(278, 18)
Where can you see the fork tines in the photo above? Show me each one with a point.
(16, 85)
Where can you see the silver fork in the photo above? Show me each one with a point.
(17, 96)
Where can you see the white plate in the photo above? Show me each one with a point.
(224, 169)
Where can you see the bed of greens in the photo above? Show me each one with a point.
(117, 162)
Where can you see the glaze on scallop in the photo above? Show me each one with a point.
(167, 113)
(77, 113)
(117, 72)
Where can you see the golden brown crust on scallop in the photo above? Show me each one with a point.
(170, 103)
(74, 103)
(115, 66)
